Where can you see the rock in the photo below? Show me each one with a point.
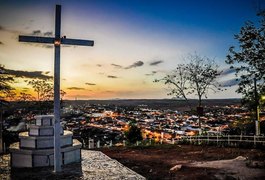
(241, 158)
(175, 168)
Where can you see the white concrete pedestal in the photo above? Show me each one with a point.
(36, 147)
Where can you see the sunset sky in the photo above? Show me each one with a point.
(136, 42)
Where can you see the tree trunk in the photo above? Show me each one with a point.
(199, 116)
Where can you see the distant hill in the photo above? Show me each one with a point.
(173, 104)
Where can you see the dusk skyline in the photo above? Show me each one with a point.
(136, 42)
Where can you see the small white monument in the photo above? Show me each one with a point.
(36, 147)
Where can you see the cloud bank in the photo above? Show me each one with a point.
(134, 65)
(29, 74)
(230, 82)
(228, 71)
(90, 84)
(75, 88)
(112, 77)
(116, 66)
(154, 63)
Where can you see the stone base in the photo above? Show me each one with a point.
(43, 157)
(36, 130)
(44, 120)
(43, 142)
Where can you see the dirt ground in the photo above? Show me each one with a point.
(195, 162)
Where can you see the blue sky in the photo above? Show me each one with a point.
(130, 37)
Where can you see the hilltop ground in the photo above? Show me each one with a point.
(196, 162)
(155, 162)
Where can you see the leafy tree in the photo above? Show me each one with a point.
(248, 60)
(43, 89)
(249, 100)
(5, 81)
(134, 134)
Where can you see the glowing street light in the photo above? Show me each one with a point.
(57, 42)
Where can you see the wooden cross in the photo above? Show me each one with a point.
(57, 41)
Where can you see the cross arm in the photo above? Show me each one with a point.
(36, 39)
(77, 42)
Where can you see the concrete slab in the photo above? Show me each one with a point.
(96, 165)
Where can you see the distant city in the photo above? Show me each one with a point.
(159, 120)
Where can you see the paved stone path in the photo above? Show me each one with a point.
(94, 166)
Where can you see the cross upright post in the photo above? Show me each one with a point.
(57, 41)
(57, 144)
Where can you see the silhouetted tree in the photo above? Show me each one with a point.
(5, 82)
(248, 60)
(11, 96)
(134, 133)
(43, 88)
(23, 96)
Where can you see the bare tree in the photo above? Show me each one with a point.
(197, 77)
(202, 73)
(177, 82)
